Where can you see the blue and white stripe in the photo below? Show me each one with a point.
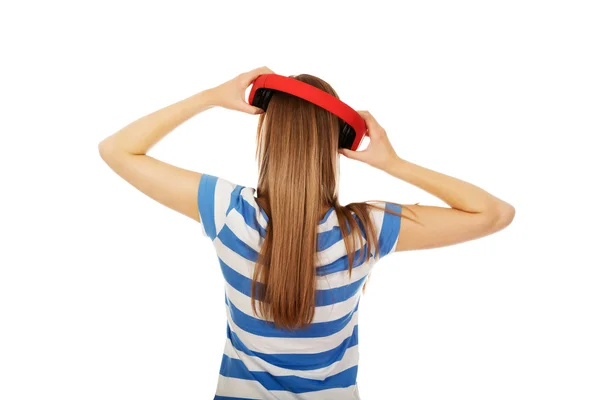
(261, 361)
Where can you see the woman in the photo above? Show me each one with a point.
(293, 258)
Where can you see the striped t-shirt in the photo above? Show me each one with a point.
(261, 361)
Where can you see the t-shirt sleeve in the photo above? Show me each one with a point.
(215, 195)
(387, 227)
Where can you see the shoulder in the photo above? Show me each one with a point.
(386, 218)
(218, 198)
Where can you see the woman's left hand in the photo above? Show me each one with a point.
(231, 94)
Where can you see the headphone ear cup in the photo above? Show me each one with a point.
(346, 137)
(262, 97)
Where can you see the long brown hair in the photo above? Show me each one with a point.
(297, 153)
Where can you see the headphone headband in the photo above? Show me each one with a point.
(353, 120)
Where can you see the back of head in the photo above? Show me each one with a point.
(297, 139)
(297, 152)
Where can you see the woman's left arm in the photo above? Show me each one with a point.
(177, 188)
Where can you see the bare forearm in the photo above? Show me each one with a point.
(456, 193)
(141, 135)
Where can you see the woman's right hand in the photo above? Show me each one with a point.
(379, 153)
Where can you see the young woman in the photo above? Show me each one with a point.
(294, 259)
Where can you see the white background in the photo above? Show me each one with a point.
(105, 294)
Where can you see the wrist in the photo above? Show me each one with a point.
(206, 98)
(197, 103)
(395, 166)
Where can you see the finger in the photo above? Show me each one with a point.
(250, 76)
(354, 155)
(266, 70)
(248, 109)
(373, 127)
(365, 115)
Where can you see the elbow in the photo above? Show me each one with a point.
(502, 216)
(108, 151)
(104, 149)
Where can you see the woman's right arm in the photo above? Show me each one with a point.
(473, 212)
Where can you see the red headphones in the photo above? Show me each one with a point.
(353, 129)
